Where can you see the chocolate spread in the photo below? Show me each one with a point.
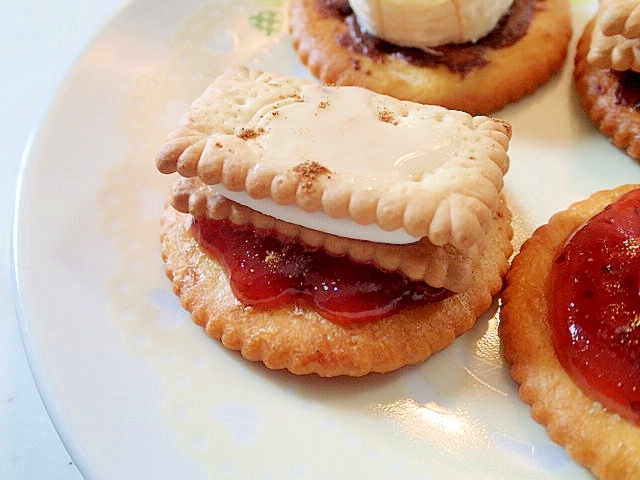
(628, 89)
(459, 58)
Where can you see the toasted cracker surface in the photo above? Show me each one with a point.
(510, 73)
(297, 338)
(600, 440)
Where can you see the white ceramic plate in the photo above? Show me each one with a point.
(137, 391)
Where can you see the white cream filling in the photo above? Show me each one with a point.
(342, 227)
(429, 23)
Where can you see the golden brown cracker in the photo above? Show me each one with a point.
(600, 440)
(297, 338)
(510, 73)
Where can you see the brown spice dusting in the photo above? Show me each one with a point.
(387, 116)
(273, 258)
(278, 261)
(309, 170)
(323, 104)
(248, 133)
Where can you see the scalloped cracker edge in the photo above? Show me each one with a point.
(219, 141)
(615, 41)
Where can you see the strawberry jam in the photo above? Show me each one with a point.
(595, 307)
(266, 271)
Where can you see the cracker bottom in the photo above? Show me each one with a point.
(600, 440)
(596, 88)
(297, 338)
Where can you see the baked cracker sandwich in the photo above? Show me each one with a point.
(333, 230)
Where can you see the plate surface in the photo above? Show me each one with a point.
(137, 391)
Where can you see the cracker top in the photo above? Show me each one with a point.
(615, 41)
(344, 151)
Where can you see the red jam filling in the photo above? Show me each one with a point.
(266, 271)
(595, 307)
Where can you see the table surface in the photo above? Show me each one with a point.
(40, 42)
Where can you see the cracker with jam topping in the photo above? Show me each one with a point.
(403, 200)
(526, 48)
(607, 72)
(296, 337)
(569, 329)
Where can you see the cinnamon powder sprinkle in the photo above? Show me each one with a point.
(309, 170)
(387, 116)
(248, 133)
(273, 258)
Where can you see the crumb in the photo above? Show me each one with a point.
(248, 133)
(387, 116)
(310, 170)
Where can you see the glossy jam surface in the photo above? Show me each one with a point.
(595, 306)
(266, 271)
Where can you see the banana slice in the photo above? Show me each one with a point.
(428, 23)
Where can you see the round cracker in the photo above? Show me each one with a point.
(596, 88)
(600, 440)
(299, 339)
(511, 72)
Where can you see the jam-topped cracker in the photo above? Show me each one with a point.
(527, 47)
(606, 73)
(271, 141)
(295, 337)
(534, 323)
(333, 230)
